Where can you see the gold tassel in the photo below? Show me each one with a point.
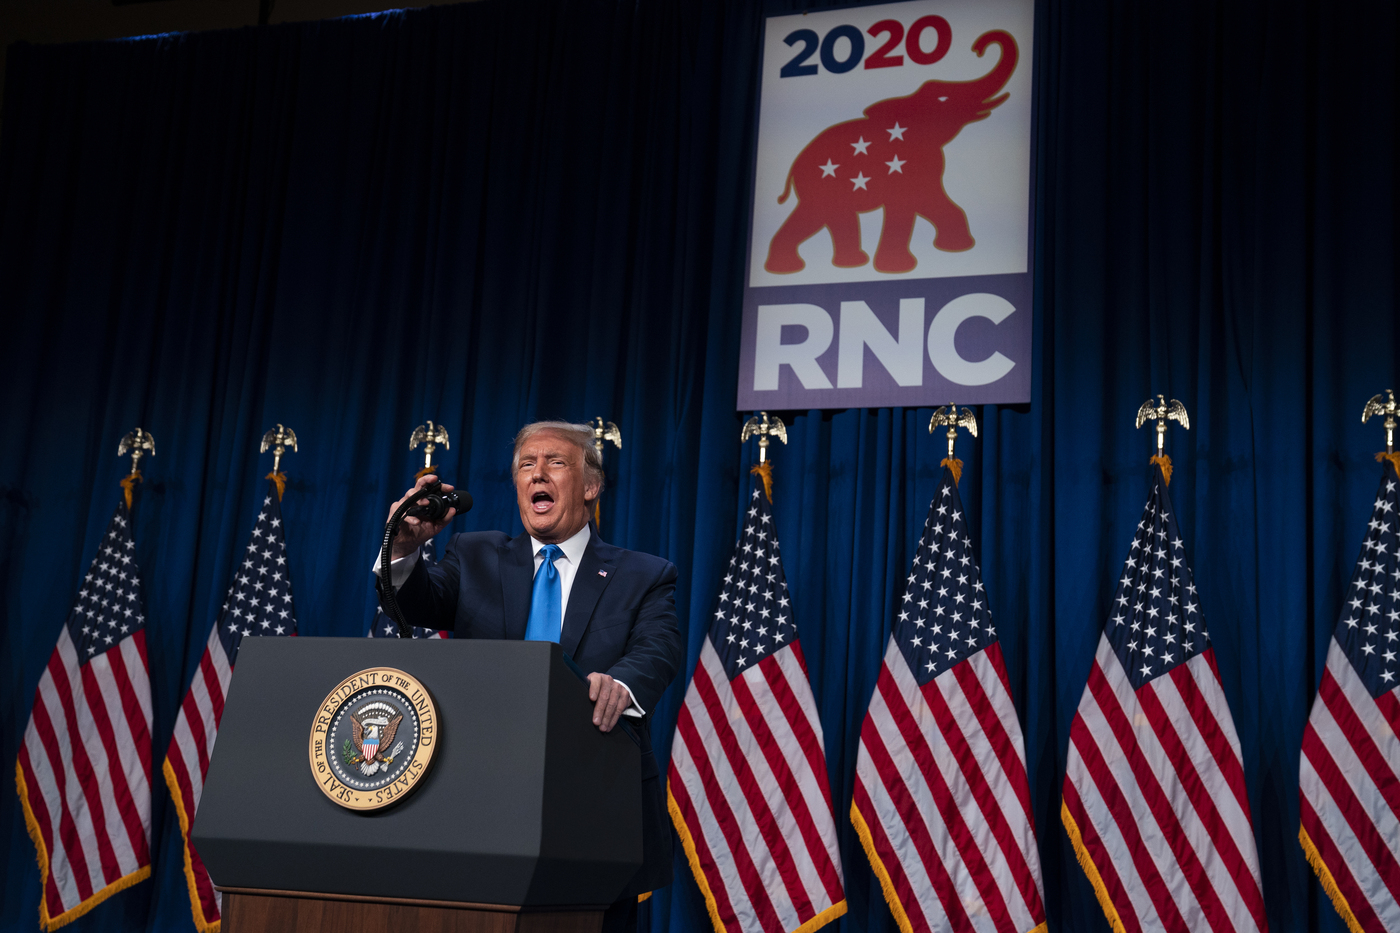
(280, 479)
(765, 472)
(955, 465)
(430, 468)
(1165, 463)
(1393, 458)
(598, 525)
(129, 486)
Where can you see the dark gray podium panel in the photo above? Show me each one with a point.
(526, 802)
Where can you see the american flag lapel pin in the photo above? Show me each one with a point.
(602, 573)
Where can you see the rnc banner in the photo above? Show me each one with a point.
(891, 210)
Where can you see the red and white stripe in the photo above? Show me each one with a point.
(749, 796)
(1349, 785)
(187, 763)
(84, 775)
(942, 803)
(1155, 801)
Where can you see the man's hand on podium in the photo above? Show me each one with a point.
(610, 698)
(413, 532)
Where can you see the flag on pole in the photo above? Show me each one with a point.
(1349, 777)
(942, 804)
(1154, 795)
(385, 627)
(83, 772)
(747, 789)
(259, 602)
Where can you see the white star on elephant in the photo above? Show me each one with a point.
(897, 165)
(860, 145)
(896, 131)
(860, 181)
(829, 169)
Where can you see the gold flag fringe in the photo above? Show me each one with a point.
(280, 479)
(129, 486)
(1091, 870)
(764, 472)
(693, 857)
(867, 842)
(954, 464)
(1324, 877)
(201, 923)
(1394, 459)
(598, 526)
(430, 468)
(47, 922)
(1165, 463)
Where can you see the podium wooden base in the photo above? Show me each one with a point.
(250, 910)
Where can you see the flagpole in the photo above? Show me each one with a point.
(1161, 412)
(603, 431)
(765, 428)
(137, 443)
(948, 416)
(428, 436)
(1388, 408)
(277, 439)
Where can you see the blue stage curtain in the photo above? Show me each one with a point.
(494, 212)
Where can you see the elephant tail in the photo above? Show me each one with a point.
(787, 189)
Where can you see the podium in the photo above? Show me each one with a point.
(527, 819)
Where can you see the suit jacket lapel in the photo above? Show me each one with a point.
(517, 583)
(594, 573)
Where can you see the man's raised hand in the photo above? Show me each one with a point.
(413, 532)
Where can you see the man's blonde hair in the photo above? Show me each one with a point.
(578, 434)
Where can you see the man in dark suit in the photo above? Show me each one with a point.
(612, 610)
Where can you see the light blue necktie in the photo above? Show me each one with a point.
(546, 601)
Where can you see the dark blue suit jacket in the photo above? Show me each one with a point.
(620, 620)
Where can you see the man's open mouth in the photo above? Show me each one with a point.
(541, 501)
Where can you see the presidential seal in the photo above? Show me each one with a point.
(373, 738)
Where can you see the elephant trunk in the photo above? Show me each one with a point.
(983, 88)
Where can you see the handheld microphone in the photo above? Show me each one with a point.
(431, 511)
(439, 502)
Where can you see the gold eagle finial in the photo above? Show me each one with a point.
(1388, 408)
(949, 416)
(428, 436)
(277, 440)
(764, 430)
(138, 443)
(605, 431)
(1162, 411)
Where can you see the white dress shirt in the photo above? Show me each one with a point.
(567, 564)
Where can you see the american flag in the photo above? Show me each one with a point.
(1154, 794)
(1349, 778)
(83, 772)
(942, 804)
(384, 627)
(748, 788)
(259, 602)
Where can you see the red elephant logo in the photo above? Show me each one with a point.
(891, 158)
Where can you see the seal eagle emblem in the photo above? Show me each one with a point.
(373, 727)
(373, 738)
